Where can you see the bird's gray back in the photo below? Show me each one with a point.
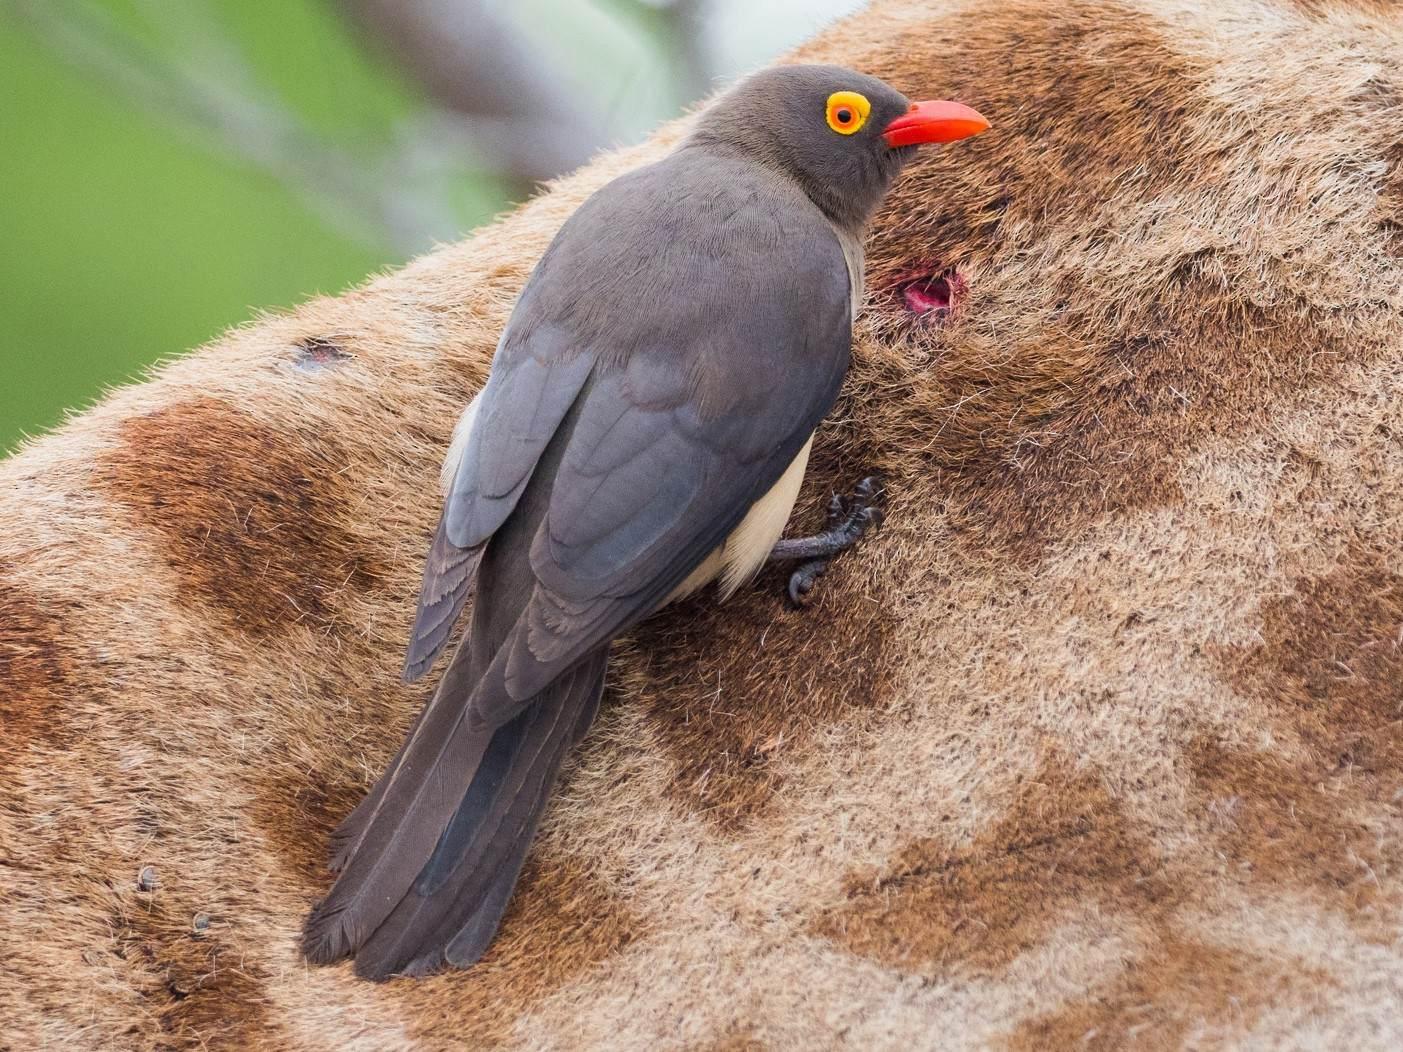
(678, 248)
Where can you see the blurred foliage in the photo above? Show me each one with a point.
(130, 236)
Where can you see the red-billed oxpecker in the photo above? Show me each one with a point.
(644, 431)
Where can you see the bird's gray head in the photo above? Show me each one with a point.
(842, 135)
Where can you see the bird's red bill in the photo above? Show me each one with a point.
(936, 121)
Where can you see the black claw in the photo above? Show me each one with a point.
(801, 581)
(871, 490)
(848, 520)
(837, 510)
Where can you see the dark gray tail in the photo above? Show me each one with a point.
(453, 907)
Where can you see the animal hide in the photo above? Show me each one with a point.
(1096, 743)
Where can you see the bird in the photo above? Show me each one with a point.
(643, 431)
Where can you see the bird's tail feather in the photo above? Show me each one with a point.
(346, 837)
(384, 843)
(445, 829)
(450, 578)
(459, 897)
(420, 874)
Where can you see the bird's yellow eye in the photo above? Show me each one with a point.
(847, 111)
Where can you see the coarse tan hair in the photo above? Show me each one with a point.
(1095, 744)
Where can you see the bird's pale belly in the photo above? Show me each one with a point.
(749, 544)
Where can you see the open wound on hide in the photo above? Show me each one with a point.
(930, 295)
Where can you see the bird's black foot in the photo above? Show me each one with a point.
(848, 519)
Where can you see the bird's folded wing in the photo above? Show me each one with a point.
(667, 454)
(533, 384)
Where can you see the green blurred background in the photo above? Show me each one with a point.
(171, 167)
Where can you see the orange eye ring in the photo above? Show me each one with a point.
(847, 112)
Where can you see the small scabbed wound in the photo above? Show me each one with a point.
(315, 353)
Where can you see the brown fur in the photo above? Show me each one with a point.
(1095, 743)
(244, 516)
(565, 923)
(1210, 986)
(36, 665)
(725, 722)
(1063, 842)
